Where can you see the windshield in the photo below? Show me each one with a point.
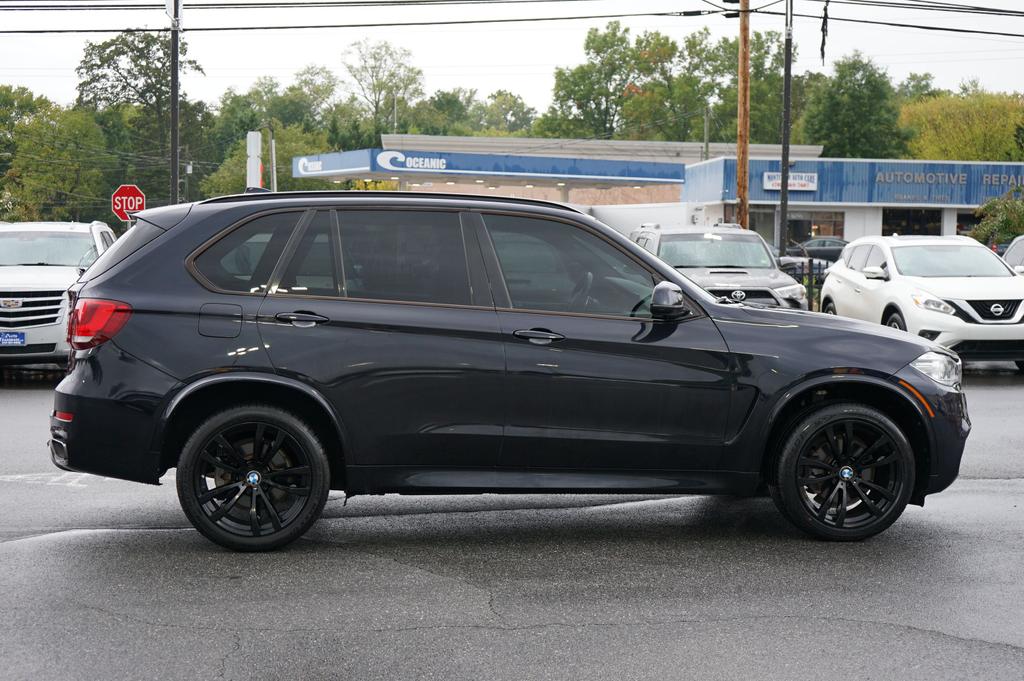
(715, 250)
(46, 248)
(957, 260)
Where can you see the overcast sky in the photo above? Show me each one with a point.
(516, 57)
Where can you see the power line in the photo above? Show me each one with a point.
(923, 27)
(382, 24)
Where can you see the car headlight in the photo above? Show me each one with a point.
(940, 367)
(929, 302)
(796, 291)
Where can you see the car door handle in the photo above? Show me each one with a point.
(538, 336)
(303, 320)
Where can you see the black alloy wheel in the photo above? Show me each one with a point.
(845, 473)
(253, 478)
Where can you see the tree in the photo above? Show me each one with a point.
(589, 98)
(1002, 218)
(505, 113)
(56, 171)
(291, 141)
(17, 104)
(125, 81)
(854, 114)
(766, 80)
(918, 86)
(977, 126)
(383, 79)
(447, 112)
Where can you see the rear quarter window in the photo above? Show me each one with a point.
(242, 260)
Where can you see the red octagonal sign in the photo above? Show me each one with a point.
(127, 199)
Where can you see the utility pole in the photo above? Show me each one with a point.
(787, 96)
(707, 132)
(743, 118)
(174, 9)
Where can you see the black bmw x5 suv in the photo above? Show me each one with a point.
(272, 347)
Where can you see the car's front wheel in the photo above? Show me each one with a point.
(845, 472)
(895, 321)
(829, 307)
(253, 478)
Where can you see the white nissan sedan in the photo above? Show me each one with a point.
(952, 290)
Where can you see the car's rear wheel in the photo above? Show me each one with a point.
(253, 478)
(845, 473)
(895, 321)
(829, 307)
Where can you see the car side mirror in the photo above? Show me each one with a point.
(1019, 269)
(668, 301)
(874, 272)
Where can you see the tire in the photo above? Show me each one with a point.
(895, 321)
(267, 498)
(829, 307)
(845, 473)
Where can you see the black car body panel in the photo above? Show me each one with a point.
(426, 397)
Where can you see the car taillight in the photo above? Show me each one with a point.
(95, 321)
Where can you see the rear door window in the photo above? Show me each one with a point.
(858, 256)
(243, 260)
(404, 255)
(313, 267)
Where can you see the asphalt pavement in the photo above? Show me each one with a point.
(103, 579)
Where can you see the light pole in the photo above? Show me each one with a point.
(787, 96)
(174, 10)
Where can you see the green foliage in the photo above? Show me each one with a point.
(55, 173)
(385, 81)
(290, 141)
(589, 98)
(854, 114)
(1002, 218)
(970, 126)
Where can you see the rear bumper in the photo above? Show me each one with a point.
(109, 417)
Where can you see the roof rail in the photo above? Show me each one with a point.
(326, 194)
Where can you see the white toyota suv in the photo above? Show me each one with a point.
(952, 290)
(38, 262)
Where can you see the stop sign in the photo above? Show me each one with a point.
(127, 199)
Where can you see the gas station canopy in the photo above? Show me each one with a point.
(422, 167)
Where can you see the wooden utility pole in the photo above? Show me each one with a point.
(743, 118)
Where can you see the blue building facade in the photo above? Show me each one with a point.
(849, 198)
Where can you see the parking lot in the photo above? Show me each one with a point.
(105, 579)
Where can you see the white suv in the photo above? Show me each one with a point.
(38, 262)
(952, 290)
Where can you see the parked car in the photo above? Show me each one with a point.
(1014, 253)
(797, 268)
(825, 248)
(952, 290)
(727, 261)
(378, 342)
(38, 262)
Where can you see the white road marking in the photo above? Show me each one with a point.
(59, 478)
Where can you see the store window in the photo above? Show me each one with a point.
(966, 222)
(911, 221)
(803, 225)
